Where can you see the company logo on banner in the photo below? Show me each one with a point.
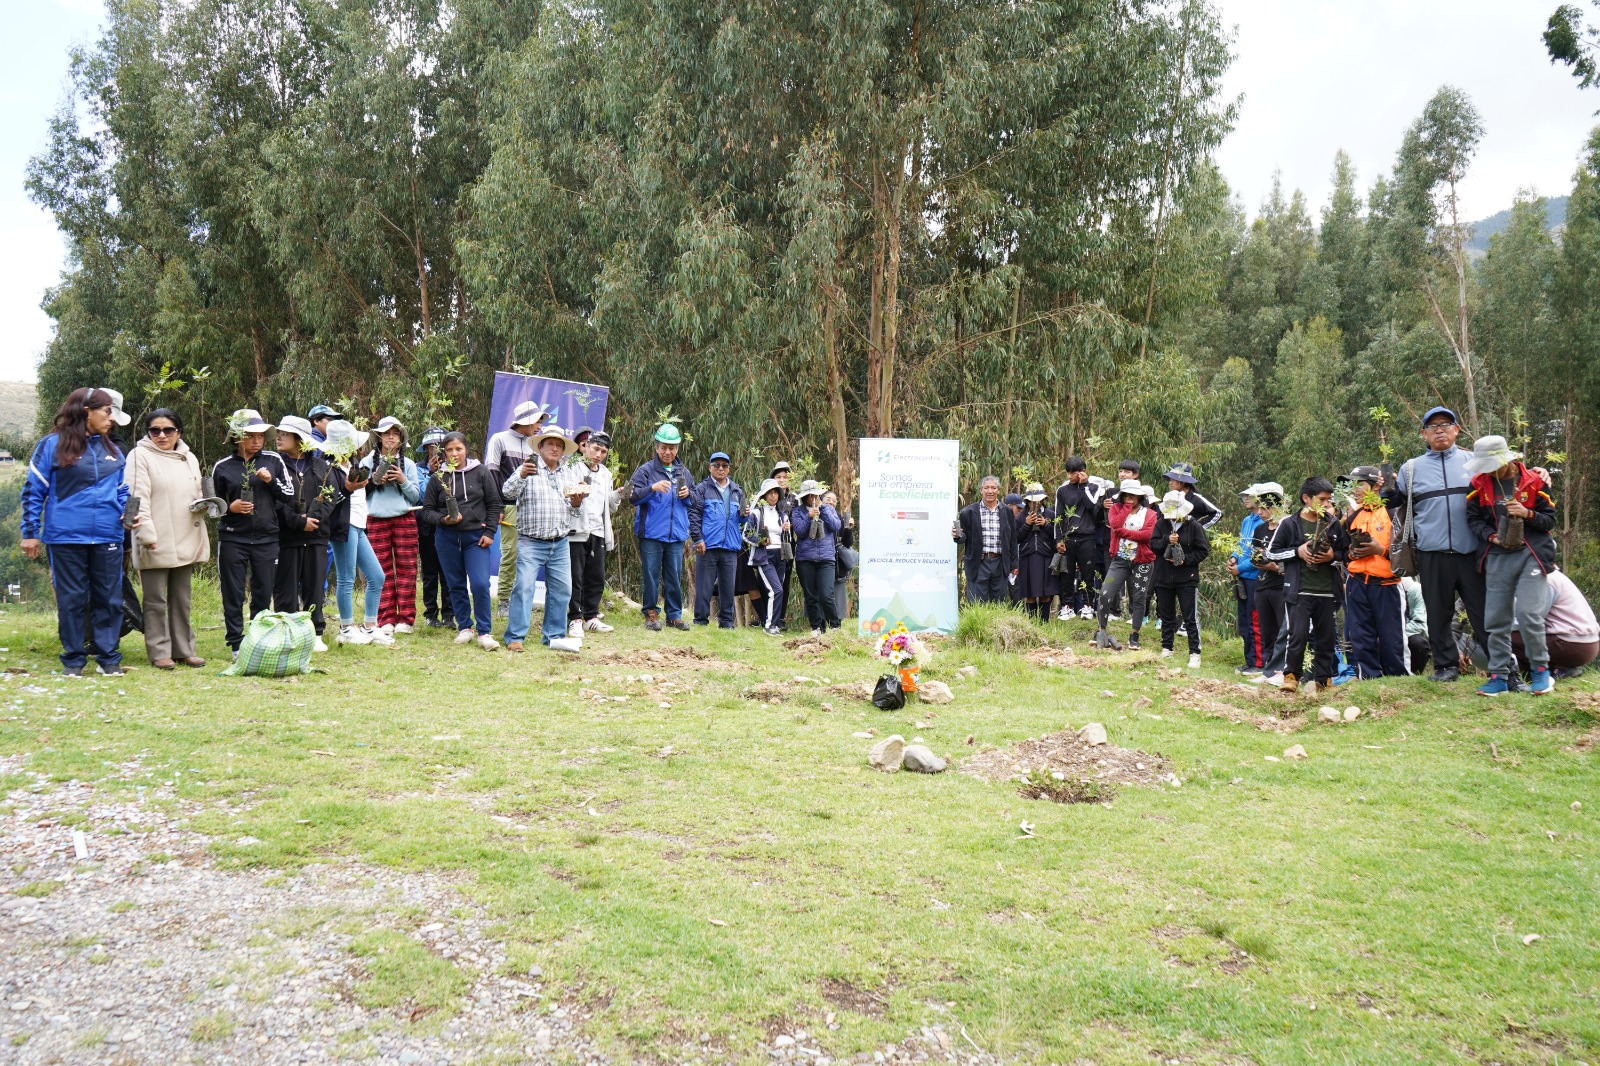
(908, 561)
(572, 403)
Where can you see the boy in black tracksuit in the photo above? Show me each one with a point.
(305, 523)
(1078, 517)
(1312, 586)
(247, 534)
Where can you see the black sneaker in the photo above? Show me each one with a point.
(72, 671)
(1133, 641)
(1447, 674)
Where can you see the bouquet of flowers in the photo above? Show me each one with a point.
(901, 648)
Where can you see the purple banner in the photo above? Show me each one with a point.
(572, 403)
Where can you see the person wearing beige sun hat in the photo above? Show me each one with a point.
(1036, 546)
(548, 493)
(1180, 544)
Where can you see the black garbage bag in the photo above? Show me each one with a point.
(887, 695)
(132, 613)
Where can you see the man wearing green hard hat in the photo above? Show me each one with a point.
(661, 522)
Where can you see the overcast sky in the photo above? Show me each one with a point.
(1316, 76)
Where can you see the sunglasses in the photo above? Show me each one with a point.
(162, 431)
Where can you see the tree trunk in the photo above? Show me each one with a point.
(875, 314)
(844, 476)
(1166, 174)
(891, 296)
(1463, 342)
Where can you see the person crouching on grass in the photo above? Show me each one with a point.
(1306, 543)
(1180, 544)
(462, 503)
(1512, 514)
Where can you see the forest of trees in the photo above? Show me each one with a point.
(793, 225)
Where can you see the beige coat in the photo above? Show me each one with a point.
(166, 484)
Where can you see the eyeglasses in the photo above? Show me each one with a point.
(1437, 427)
(162, 431)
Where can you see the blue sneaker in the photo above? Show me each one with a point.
(1542, 681)
(1495, 686)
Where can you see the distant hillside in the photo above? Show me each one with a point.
(1555, 213)
(19, 406)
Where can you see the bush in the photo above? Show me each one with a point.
(999, 628)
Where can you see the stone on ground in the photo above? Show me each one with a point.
(1352, 713)
(919, 759)
(935, 692)
(1093, 734)
(1328, 714)
(1296, 752)
(885, 754)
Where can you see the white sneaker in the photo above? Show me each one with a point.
(380, 637)
(353, 635)
(386, 630)
(576, 628)
(488, 643)
(1166, 653)
(464, 636)
(1194, 662)
(1086, 612)
(1064, 614)
(401, 628)
(816, 634)
(319, 645)
(1268, 679)
(594, 625)
(538, 594)
(567, 644)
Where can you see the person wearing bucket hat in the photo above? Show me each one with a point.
(1078, 518)
(1181, 479)
(1306, 544)
(763, 533)
(661, 523)
(1034, 524)
(73, 505)
(437, 612)
(1133, 523)
(251, 481)
(393, 497)
(1434, 487)
(592, 537)
(1180, 544)
(506, 451)
(816, 549)
(548, 492)
(306, 520)
(1512, 514)
(716, 533)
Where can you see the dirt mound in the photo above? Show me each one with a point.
(669, 657)
(1070, 755)
(1269, 710)
(808, 647)
(861, 690)
(768, 691)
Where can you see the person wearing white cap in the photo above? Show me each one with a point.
(347, 534)
(506, 451)
(592, 537)
(1180, 544)
(392, 499)
(304, 524)
(548, 493)
(73, 501)
(252, 481)
(1247, 622)
(1036, 547)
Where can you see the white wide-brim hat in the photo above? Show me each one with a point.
(528, 412)
(1175, 505)
(554, 432)
(247, 420)
(298, 426)
(769, 485)
(343, 439)
(1490, 454)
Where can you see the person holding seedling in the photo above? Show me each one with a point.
(1510, 511)
(1035, 523)
(462, 504)
(1269, 585)
(252, 481)
(1180, 544)
(1078, 516)
(305, 523)
(1373, 609)
(1133, 524)
(1306, 544)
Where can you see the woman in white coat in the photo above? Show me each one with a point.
(165, 476)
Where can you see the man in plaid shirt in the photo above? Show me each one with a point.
(548, 493)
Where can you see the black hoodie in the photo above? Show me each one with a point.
(262, 525)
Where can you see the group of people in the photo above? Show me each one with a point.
(330, 495)
(1466, 527)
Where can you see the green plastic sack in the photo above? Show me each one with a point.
(276, 644)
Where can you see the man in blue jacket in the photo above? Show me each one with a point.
(661, 522)
(716, 513)
(1437, 483)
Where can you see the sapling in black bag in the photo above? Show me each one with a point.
(888, 695)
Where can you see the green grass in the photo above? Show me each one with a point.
(211, 1028)
(726, 866)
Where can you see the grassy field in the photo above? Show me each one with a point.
(691, 860)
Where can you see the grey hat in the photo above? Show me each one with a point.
(811, 487)
(1490, 454)
(1035, 491)
(528, 412)
(300, 427)
(769, 485)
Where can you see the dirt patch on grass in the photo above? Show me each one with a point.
(1269, 710)
(669, 657)
(808, 648)
(1066, 753)
(861, 690)
(1585, 743)
(844, 995)
(769, 691)
(1193, 948)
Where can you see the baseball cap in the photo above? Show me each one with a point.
(321, 410)
(718, 455)
(1432, 411)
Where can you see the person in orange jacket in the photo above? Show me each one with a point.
(1373, 620)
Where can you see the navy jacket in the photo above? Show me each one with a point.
(261, 526)
(717, 523)
(971, 536)
(318, 493)
(1284, 548)
(77, 504)
(660, 515)
(1035, 540)
(814, 537)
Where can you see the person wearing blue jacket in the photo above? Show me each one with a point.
(72, 504)
(816, 525)
(661, 493)
(716, 513)
(1243, 568)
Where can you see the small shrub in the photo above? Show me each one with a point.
(211, 1028)
(1040, 785)
(37, 889)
